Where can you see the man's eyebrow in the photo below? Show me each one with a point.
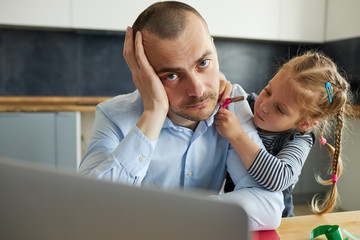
(207, 53)
(169, 69)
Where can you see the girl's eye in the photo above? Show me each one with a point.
(267, 91)
(279, 109)
(204, 63)
(172, 77)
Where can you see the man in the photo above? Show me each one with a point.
(164, 134)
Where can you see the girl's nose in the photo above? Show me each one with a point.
(264, 107)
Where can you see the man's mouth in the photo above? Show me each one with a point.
(200, 104)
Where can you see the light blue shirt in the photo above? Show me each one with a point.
(118, 151)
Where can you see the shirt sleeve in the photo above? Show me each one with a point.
(276, 173)
(115, 157)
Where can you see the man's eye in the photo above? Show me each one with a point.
(171, 77)
(204, 63)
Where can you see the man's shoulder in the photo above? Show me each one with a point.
(237, 90)
(241, 109)
(122, 104)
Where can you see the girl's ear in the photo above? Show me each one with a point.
(305, 125)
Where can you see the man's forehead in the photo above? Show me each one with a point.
(176, 54)
(178, 64)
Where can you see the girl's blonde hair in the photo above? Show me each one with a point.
(311, 71)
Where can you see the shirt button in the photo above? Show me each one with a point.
(189, 174)
(142, 159)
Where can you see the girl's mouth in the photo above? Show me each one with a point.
(259, 117)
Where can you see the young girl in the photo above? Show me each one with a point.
(305, 95)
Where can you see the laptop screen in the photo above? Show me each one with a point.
(39, 203)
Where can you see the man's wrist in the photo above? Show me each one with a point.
(151, 122)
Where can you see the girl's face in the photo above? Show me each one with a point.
(276, 109)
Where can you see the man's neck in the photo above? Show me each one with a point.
(182, 122)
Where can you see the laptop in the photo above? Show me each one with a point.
(40, 203)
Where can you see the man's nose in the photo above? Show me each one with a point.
(195, 87)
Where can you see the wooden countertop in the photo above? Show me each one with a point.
(356, 109)
(64, 104)
(296, 228)
(49, 103)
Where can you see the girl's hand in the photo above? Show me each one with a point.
(225, 89)
(228, 124)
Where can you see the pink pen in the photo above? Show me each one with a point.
(230, 100)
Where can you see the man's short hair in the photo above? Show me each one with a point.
(164, 19)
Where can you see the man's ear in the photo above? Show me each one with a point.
(305, 125)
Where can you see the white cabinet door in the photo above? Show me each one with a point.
(249, 19)
(252, 19)
(348, 186)
(28, 136)
(68, 140)
(113, 15)
(343, 19)
(303, 20)
(285, 20)
(51, 139)
(40, 13)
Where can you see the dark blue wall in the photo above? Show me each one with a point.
(67, 63)
(346, 53)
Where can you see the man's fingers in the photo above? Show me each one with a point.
(129, 49)
(141, 57)
(224, 90)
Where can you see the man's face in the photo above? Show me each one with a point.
(189, 70)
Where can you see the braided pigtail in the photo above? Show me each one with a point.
(329, 202)
(324, 95)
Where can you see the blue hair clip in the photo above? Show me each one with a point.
(329, 91)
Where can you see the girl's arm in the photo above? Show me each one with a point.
(275, 173)
(229, 127)
(278, 172)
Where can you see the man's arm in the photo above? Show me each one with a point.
(151, 89)
(263, 207)
(115, 153)
(125, 157)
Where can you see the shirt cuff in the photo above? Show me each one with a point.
(138, 152)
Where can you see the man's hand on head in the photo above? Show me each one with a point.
(150, 87)
(144, 76)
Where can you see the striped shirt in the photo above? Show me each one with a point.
(279, 172)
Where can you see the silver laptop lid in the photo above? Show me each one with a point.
(39, 203)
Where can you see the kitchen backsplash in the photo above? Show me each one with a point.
(73, 63)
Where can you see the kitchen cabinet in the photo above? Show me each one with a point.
(319, 161)
(275, 20)
(39, 13)
(50, 139)
(302, 20)
(284, 20)
(343, 18)
(348, 186)
(248, 19)
(113, 15)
